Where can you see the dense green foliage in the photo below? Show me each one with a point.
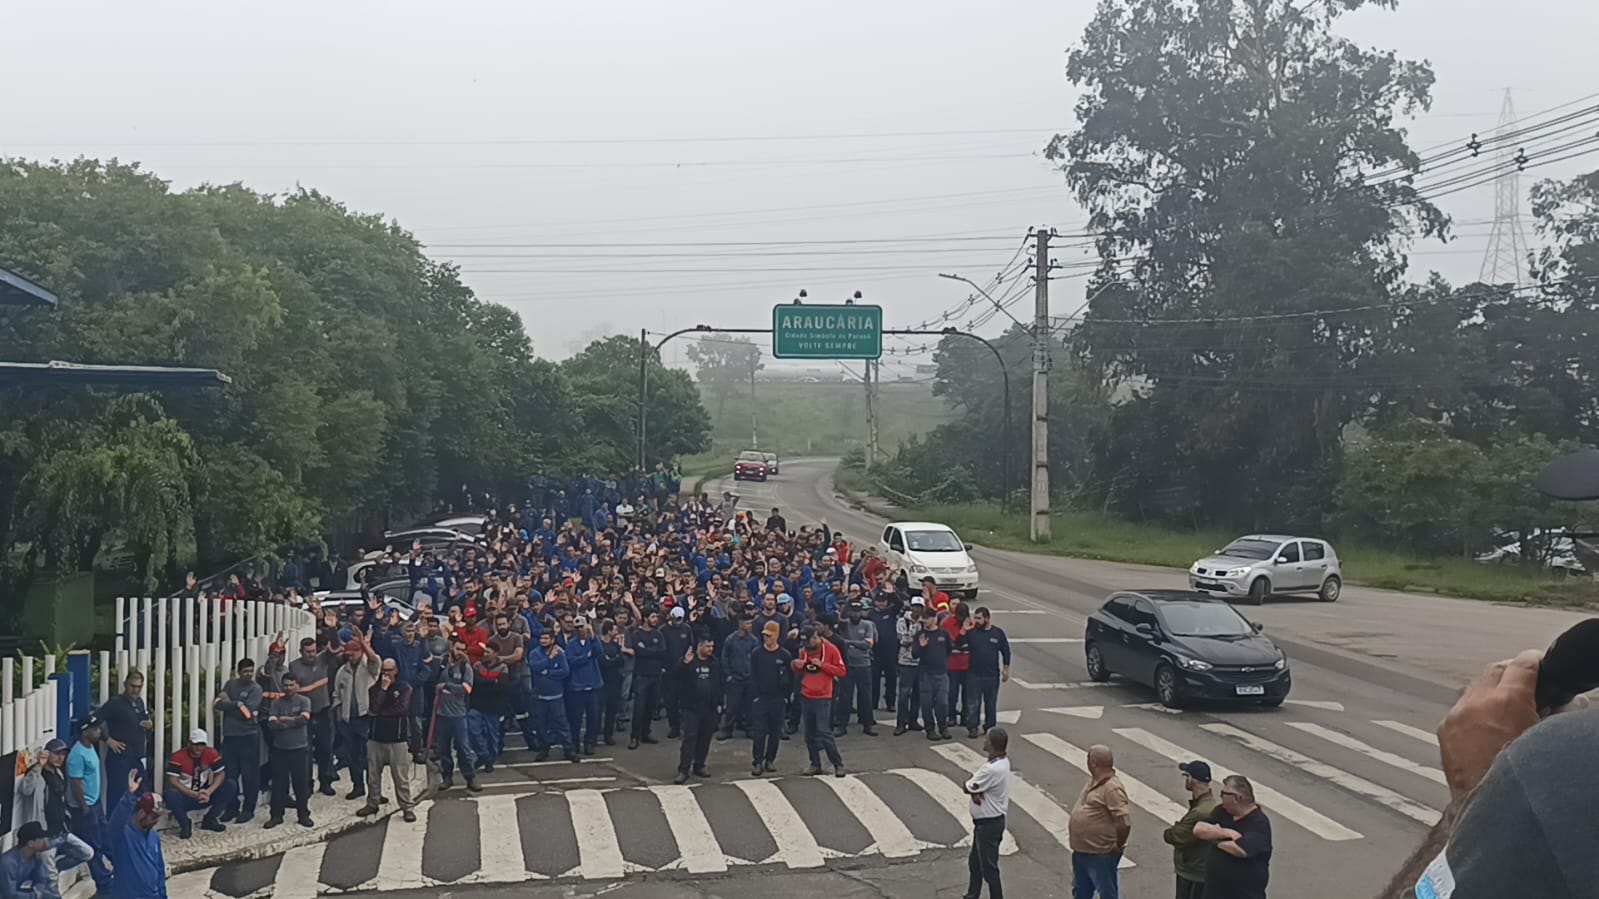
(368, 383)
(1253, 356)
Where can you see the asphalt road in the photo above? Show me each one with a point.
(1347, 769)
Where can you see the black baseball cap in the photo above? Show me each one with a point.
(30, 831)
(1197, 770)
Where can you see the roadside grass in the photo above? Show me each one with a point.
(1094, 535)
(698, 469)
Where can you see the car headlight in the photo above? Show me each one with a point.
(1281, 663)
(919, 569)
(1193, 664)
(972, 568)
(1237, 572)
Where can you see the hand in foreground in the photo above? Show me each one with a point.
(1496, 708)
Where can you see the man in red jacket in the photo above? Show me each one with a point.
(957, 625)
(819, 665)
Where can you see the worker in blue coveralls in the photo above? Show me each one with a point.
(550, 673)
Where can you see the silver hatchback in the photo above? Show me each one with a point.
(1260, 565)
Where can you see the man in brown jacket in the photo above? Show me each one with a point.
(390, 709)
(1098, 829)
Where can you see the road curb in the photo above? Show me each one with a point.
(270, 844)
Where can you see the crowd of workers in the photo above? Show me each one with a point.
(581, 617)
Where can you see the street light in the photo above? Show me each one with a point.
(986, 296)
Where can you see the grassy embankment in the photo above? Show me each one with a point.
(1093, 535)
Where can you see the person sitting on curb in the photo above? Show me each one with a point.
(196, 779)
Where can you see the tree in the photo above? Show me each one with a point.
(725, 365)
(1223, 152)
(604, 378)
(367, 380)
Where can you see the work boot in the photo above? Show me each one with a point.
(838, 770)
(814, 771)
(212, 824)
(473, 786)
(973, 733)
(185, 829)
(681, 778)
(272, 822)
(632, 743)
(701, 772)
(543, 756)
(356, 793)
(305, 821)
(769, 768)
(365, 810)
(755, 769)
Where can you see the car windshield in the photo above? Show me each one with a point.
(1204, 619)
(933, 542)
(750, 457)
(1250, 549)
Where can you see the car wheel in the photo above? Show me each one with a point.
(1259, 589)
(1331, 589)
(1272, 702)
(1167, 689)
(1096, 665)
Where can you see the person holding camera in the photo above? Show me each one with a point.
(819, 666)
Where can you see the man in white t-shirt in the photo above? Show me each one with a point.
(989, 789)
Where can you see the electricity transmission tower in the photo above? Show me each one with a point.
(1507, 245)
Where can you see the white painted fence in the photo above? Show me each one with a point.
(186, 648)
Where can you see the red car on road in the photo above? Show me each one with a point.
(750, 466)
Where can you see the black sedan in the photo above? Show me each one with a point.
(1186, 645)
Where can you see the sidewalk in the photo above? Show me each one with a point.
(333, 815)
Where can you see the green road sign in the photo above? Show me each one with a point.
(805, 331)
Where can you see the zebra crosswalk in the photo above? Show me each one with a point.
(1327, 786)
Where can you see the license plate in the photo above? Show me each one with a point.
(1251, 690)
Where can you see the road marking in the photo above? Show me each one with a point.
(400, 864)
(1338, 738)
(189, 883)
(1414, 732)
(949, 795)
(586, 761)
(1144, 796)
(795, 845)
(599, 854)
(1046, 639)
(1337, 776)
(1295, 811)
(1008, 716)
(893, 838)
(1094, 712)
(499, 841)
(1317, 704)
(697, 847)
(529, 784)
(1076, 685)
(1153, 707)
(298, 873)
(1035, 802)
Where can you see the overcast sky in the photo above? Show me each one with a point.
(636, 127)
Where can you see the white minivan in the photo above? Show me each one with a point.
(925, 549)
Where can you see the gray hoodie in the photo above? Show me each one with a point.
(859, 637)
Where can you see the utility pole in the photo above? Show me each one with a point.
(755, 434)
(1040, 505)
(1507, 245)
(872, 374)
(643, 389)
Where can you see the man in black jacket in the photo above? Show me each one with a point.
(771, 683)
(932, 650)
(648, 649)
(703, 685)
(679, 642)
